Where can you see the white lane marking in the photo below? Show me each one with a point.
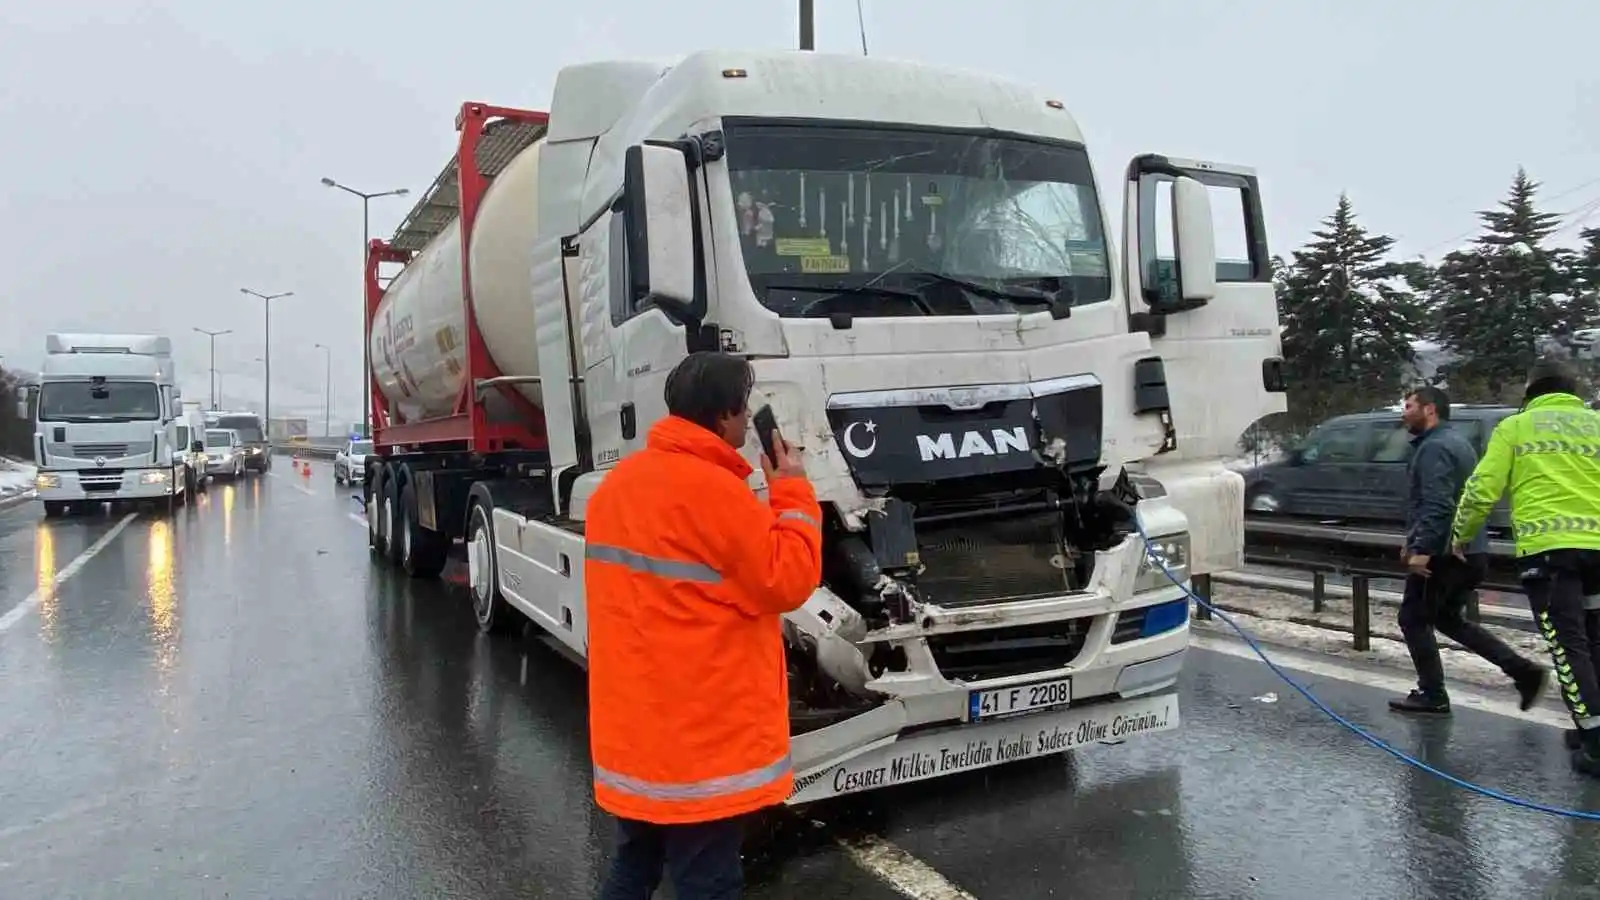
(294, 484)
(900, 870)
(15, 614)
(1459, 696)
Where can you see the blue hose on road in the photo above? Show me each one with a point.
(1352, 727)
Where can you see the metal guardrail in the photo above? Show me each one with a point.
(319, 448)
(1362, 555)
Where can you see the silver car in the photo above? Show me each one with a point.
(224, 452)
(350, 463)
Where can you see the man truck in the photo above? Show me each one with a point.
(108, 423)
(996, 410)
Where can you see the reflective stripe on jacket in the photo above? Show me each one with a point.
(687, 574)
(1549, 456)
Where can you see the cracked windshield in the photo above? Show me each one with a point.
(880, 222)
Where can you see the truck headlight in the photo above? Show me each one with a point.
(154, 478)
(43, 481)
(1170, 551)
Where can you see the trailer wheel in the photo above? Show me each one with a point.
(422, 552)
(374, 492)
(391, 518)
(489, 606)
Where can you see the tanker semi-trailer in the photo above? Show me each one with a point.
(916, 263)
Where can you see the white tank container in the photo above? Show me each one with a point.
(419, 337)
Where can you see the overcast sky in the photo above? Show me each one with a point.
(161, 155)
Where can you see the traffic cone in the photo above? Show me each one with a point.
(305, 470)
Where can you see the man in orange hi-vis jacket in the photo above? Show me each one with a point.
(687, 574)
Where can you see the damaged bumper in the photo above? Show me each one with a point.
(980, 685)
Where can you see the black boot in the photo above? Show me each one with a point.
(1419, 702)
(1586, 758)
(1573, 738)
(1530, 684)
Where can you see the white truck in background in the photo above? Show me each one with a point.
(107, 423)
(917, 264)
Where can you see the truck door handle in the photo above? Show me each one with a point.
(630, 423)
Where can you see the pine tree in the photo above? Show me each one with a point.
(1498, 299)
(1349, 317)
(1582, 310)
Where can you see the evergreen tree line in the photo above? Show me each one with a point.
(1351, 311)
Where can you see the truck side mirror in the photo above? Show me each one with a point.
(197, 447)
(1196, 241)
(658, 210)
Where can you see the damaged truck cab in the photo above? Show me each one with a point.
(917, 264)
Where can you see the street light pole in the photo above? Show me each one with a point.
(327, 388)
(366, 340)
(808, 25)
(266, 307)
(213, 335)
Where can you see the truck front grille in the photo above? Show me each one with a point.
(1002, 652)
(972, 563)
(92, 480)
(90, 451)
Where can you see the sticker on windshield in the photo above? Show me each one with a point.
(824, 264)
(818, 246)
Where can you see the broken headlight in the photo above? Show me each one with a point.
(1165, 558)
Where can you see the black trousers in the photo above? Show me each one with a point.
(701, 859)
(1556, 582)
(1438, 602)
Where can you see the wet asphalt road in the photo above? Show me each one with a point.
(236, 704)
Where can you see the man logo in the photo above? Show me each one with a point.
(999, 442)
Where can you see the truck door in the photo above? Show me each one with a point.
(1223, 356)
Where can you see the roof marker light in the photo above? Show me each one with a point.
(735, 73)
(1055, 104)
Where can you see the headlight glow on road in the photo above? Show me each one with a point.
(44, 567)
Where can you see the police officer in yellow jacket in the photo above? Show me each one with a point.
(1548, 454)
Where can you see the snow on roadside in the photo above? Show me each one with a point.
(15, 477)
(1275, 617)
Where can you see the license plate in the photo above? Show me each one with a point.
(999, 703)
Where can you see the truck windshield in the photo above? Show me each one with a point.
(107, 401)
(895, 222)
(249, 427)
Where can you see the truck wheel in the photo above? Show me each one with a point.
(55, 509)
(422, 552)
(374, 490)
(388, 516)
(489, 606)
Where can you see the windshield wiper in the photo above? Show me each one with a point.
(862, 290)
(1060, 301)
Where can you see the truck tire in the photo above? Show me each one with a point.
(389, 519)
(374, 497)
(422, 552)
(489, 606)
(55, 509)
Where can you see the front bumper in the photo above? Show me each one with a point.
(100, 486)
(258, 458)
(963, 748)
(220, 466)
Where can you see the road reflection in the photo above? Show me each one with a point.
(44, 565)
(161, 595)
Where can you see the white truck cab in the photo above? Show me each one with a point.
(107, 427)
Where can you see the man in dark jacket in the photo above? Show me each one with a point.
(1440, 583)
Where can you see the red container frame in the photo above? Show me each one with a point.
(467, 428)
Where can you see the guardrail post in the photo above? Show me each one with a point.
(1361, 612)
(1319, 590)
(1201, 585)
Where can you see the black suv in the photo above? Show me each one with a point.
(1353, 467)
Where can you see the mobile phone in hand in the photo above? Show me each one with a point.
(766, 425)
